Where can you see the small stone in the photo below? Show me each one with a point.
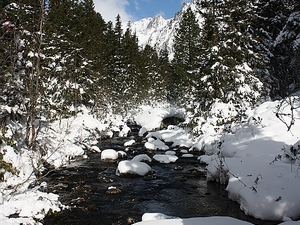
(178, 168)
(113, 191)
(131, 220)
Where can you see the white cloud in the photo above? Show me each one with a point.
(109, 9)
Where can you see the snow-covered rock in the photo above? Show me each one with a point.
(161, 219)
(129, 143)
(133, 167)
(155, 144)
(141, 157)
(165, 158)
(109, 155)
(142, 131)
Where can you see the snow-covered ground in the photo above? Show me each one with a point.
(161, 219)
(253, 158)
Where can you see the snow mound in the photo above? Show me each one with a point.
(155, 216)
(251, 158)
(31, 204)
(109, 154)
(165, 158)
(155, 144)
(129, 143)
(134, 166)
(179, 137)
(151, 119)
(142, 157)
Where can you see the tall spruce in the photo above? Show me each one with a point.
(278, 27)
(227, 54)
(187, 49)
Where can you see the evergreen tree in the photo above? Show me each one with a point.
(165, 69)
(187, 43)
(187, 46)
(227, 53)
(277, 27)
(150, 78)
(130, 57)
(79, 41)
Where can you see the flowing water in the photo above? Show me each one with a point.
(177, 189)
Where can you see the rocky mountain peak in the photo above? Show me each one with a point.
(159, 32)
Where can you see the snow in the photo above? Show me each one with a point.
(156, 144)
(142, 131)
(244, 159)
(141, 157)
(95, 149)
(159, 32)
(187, 155)
(264, 187)
(250, 158)
(129, 143)
(165, 158)
(179, 137)
(158, 218)
(162, 219)
(133, 167)
(109, 154)
(152, 118)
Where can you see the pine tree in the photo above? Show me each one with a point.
(165, 69)
(227, 54)
(187, 43)
(130, 57)
(187, 46)
(78, 40)
(276, 18)
(150, 81)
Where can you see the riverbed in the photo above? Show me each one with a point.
(177, 189)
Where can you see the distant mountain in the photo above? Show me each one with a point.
(159, 32)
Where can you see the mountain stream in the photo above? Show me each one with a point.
(177, 189)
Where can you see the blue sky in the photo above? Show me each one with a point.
(132, 10)
(150, 8)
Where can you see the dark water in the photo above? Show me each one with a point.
(177, 189)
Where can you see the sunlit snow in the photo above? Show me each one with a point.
(265, 186)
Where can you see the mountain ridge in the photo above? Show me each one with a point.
(158, 32)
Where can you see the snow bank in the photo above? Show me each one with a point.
(179, 137)
(152, 118)
(28, 205)
(61, 141)
(251, 158)
(67, 138)
(161, 219)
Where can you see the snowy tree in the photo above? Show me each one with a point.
(278, 31)
(187, 46)
(187, 43)
(227, 54)
(22, 47)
